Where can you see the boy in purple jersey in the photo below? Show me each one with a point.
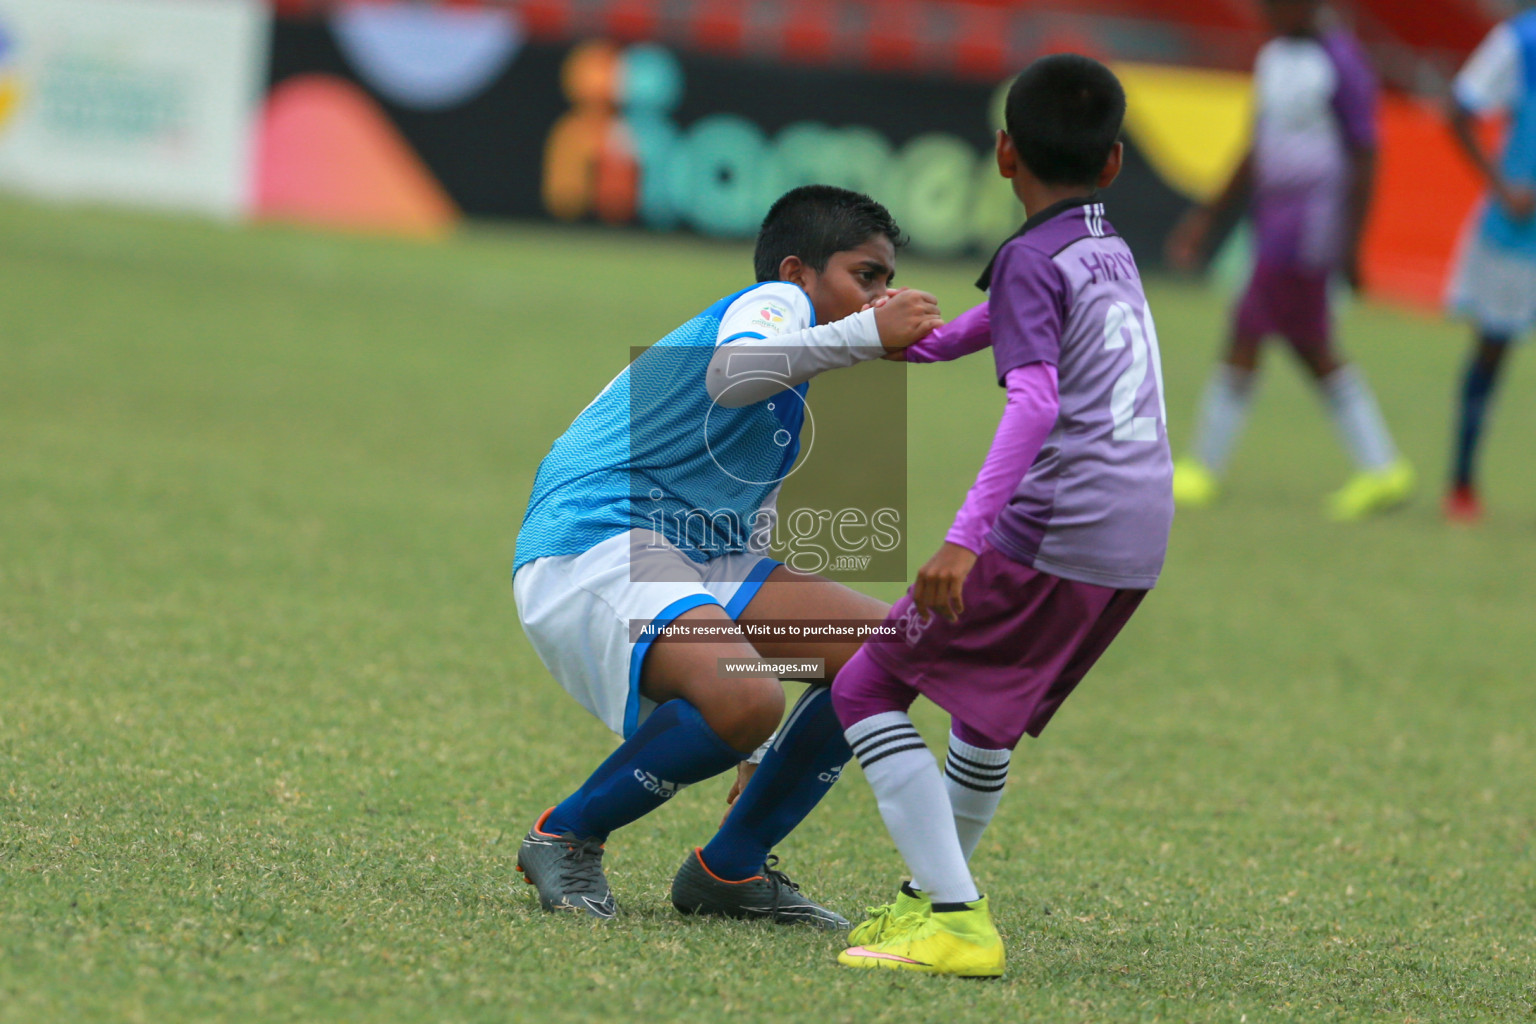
(1059, 539)
(1308, 183)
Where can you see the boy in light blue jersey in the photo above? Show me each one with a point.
(655, 508)
(1495, 280)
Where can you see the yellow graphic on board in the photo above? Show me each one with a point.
(10, 97)
(1192, 125)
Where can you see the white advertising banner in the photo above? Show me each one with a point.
(146, 102)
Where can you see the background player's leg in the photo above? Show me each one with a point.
(1358, 419)
(1384, 479)
(1477, 388)
(808, 754)
(704, 726)
(1224, 406)
(1226, 399)
(1355, 413)
(1219, 423)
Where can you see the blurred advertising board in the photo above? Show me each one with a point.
(404, 118)
(636, 134)
(142, 102)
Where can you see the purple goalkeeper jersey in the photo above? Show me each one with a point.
(1097, 503)
(1316, 104)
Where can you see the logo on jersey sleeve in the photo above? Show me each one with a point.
(771, 317)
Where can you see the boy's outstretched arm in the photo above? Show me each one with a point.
(1520, 202)
(1027, 421)
(1355, 109)
(1362, 187)
(1491, 82)
(1187, 242)
(969, 332)
(802, 354)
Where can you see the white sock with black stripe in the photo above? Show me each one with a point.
(1357, 418)
(914, 804)
(974, 777)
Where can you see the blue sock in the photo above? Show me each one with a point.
(803, 763)
(1476, 389)
(673, 748)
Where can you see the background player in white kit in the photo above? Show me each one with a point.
(1307, 181)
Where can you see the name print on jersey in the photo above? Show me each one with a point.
(1110, 266)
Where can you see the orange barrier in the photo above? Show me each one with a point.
(1425, 191)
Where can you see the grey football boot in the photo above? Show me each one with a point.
(567, 871)
(770, 895)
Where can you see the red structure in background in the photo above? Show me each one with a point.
(1232, 15)
(1456, 26)
(1425, 189)
(982, 39)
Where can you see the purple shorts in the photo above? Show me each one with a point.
(1024, 642)
(1287, 300)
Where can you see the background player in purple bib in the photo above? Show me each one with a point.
(1308, 181)
(1059, 539)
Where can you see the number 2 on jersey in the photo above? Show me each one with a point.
(1123, 322)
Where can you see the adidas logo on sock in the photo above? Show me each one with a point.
(831, 776)
(661, 787)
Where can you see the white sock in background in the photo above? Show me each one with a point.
(1223, 412)
(974, 777)
(1357, 418)
(914, 804)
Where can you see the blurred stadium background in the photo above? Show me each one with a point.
(295, 297)
(693, 114)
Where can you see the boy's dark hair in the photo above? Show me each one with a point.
(1063, 115)
(815, 221)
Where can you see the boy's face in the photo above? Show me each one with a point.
(851, 280)
(1291, 17)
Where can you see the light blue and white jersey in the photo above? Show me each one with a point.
(669, 445)
(1500, 77)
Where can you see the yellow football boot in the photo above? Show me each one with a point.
(1194, 486)
(963, 943)
(1369, 493)
(881, 918)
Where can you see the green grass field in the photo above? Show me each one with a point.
(269, 732)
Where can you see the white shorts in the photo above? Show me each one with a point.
(1495, 287)
(577, 609)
